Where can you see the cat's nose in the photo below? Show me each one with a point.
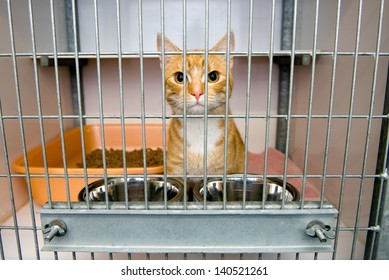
(197, 92)
(197, 95)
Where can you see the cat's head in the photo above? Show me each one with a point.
(195, 78)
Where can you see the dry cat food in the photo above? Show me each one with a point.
(114, 158)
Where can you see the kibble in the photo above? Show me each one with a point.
(114, 158)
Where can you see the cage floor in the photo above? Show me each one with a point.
(27, 242)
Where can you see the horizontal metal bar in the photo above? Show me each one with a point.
(29, 228)
(288, 176)
(154, 54)
(270, 230)
(168, 116)
(373, 229)
(19, 228)
(156, 207)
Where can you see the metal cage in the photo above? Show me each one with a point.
(312, 77)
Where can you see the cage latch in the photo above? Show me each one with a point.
(320, 230)
(54, 228)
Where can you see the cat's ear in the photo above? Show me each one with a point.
(221, 46)
(169, 47)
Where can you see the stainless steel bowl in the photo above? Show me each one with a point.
(254, 190)
(135, 186)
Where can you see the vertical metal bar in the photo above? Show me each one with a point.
(21, 126)
(206, 49)
(184, 35)
(247, 118)
(71, 33)
(268, 106)
(70, 36)
(381, 251)
(39, 102)
(100, 94)
(308, 133)
(142, 99)
(121, 96)
(291, 80)
(79, 97)
(228, 74)
(2, 256)
(284, 76)
(371, 110)
(75, 74)
(58, 93)
(59, 99)
(331, 102)
(283, 97)
(10, 185)
(373, 240)
(348, 134)
(164, 142)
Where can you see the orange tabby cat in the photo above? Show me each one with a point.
(217, 95)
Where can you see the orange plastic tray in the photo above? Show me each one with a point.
(73, 148)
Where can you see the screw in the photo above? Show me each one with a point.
(53, 232)
(321, 236)
(54, 228)
(319, 230)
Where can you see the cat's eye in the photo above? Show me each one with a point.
(213, 77)
(179, 77)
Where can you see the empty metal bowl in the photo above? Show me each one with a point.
(254, 190)
(135, 190)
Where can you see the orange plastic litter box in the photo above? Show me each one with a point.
(73, 147)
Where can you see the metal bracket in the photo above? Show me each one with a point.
(188, 231)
